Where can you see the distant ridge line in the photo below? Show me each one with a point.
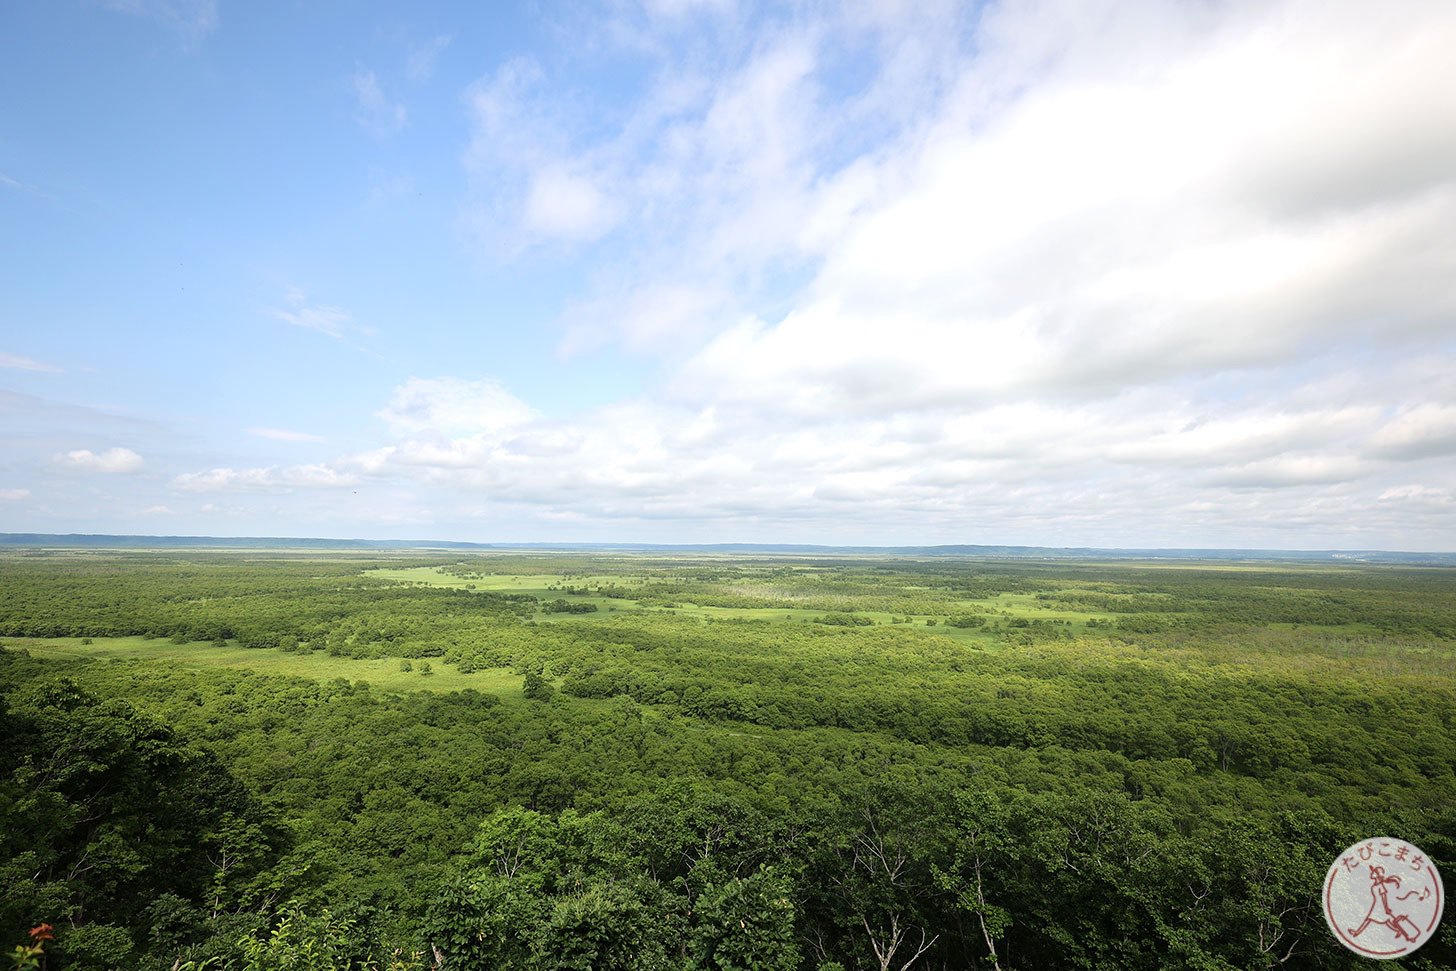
(110, 541)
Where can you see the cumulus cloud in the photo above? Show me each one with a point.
(1087, 273)
(1137, 218)
(446, 407)
(567, 205)
(269, 479)
(112, 460)
(1142, 467)
(1085, 195)
(1017, 264)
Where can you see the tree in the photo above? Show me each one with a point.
(744, 923)
(104, 810)
(536, 688)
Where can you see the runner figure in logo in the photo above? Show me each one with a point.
(1383, 898)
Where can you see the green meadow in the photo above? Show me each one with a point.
(383, 673)
(640, 595)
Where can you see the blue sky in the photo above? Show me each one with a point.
(1049, 272)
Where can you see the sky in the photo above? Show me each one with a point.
(1120, 273)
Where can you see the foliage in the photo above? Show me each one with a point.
(105, 810)
(1077, 766)
(536, 688)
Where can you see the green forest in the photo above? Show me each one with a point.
(255, 760)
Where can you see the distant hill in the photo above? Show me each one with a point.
(104, 541)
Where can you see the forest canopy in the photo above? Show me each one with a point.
(257, 760)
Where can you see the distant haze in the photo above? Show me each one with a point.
(1063, 274)
(79, 541)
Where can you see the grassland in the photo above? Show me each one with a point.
(383, 673)
(643, 594)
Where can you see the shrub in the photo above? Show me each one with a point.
(968, 620)
(537, 688)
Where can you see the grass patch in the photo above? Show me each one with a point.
(534, 585)
(382, 673)
(1004, 606)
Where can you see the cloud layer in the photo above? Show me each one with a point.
(111, 461)
(1113, 273)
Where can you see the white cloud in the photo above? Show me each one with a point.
(190, 20)
(1426, 430)
(1121, 220)
(1140, 467)
(568, 206)
(14, 495)
(269, 479)
(113, 460)
(1415, 492)
(284, 435)
(713, 182)
(19, 363)
(331, 321)
(1287, 471)
(1056, 272)
(378, 114)
(445, 407)
(1092, 189)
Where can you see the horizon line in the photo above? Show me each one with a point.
(37, 539)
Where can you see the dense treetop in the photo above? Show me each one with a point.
(729, 763)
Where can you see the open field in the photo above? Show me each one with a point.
(381, 673)
(640, 595)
